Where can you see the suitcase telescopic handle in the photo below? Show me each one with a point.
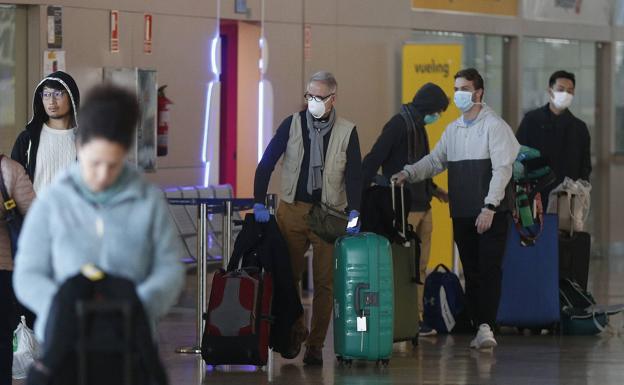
(358, 295)
(394, 209)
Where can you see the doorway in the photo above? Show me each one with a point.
(239, 105)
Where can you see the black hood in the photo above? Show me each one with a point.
(39, 114)
(430, 99)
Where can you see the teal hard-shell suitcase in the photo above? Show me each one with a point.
(363, 288)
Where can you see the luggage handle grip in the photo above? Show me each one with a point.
(358, 293)
(403, 233)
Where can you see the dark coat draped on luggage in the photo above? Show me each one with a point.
(377, 215)
(262, 244)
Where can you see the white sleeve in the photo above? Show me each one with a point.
(431, 164)
(503, 147)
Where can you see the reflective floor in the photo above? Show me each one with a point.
(437, 360)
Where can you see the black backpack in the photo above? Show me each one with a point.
(97, 333)
(579, 313)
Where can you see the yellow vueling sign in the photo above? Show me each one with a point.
(491, 7)
(431, 63)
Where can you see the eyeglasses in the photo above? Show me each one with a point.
(47, 95)
(310, 97)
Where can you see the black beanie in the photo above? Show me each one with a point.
(430, 99)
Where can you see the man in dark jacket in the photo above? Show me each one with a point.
(404, 140)
(47, 146)
(562, 138)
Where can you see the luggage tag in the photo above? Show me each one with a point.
(361, 327)
(361, 323)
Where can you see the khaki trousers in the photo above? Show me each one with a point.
(423, 226)
(298, 236)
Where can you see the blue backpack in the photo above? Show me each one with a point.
(443, 299)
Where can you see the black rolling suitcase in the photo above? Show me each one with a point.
(574, 252)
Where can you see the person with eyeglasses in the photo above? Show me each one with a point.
(321, 162)
(46, 146)
(403, 140)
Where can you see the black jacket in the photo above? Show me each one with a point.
(262, 244)
(27, 143)
(104, 331)
(390, 151)
(562, 140)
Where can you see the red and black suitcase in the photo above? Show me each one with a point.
(238, 319)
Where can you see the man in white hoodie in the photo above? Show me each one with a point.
(478, 149)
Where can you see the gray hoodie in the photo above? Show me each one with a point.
(479, 158)
(131, 236)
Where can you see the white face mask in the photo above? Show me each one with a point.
(562, 100)
(317, 109)
(463, 100)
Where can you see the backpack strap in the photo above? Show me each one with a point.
(528, 236)
(9, 203)
(411, 132)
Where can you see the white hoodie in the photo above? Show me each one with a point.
(479, 158)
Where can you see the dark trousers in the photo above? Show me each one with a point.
(481, 257)
(7, 325)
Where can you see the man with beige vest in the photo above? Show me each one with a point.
(321, 163)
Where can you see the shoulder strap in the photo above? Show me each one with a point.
(411, 128)
(5, 195)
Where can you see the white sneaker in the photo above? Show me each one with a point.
(484, 338)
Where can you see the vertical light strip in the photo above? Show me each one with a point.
(215, 67)
(214, 56)
(207, 174)
(207, 123)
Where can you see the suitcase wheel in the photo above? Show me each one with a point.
(344, 361)
(384, 362)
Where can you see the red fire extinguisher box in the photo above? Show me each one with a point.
(162, 132)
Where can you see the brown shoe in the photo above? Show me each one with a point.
(297, 339)
(313, 356)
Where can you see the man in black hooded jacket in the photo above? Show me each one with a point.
(46, 146)
(403, 140)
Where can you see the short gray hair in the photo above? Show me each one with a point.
(325, 77)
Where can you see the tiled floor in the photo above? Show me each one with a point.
(437, 360)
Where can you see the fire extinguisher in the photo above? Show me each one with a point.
(163, 122)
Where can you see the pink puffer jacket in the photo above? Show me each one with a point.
(20, 189)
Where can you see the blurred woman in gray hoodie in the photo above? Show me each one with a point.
(100, 211)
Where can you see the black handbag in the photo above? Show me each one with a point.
(13, 218)
(328, 223)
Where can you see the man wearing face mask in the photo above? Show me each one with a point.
(478, 149)
(404, 140)
(562, 138)
(321, 163)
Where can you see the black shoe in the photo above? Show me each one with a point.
(295, 348)
(313, 356)
(292, 352)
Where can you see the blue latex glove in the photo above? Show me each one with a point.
(354, 215)
(261, 213)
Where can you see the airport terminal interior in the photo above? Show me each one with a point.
(216, 78)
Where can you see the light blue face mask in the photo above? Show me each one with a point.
(463, 100)
(431, 118)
